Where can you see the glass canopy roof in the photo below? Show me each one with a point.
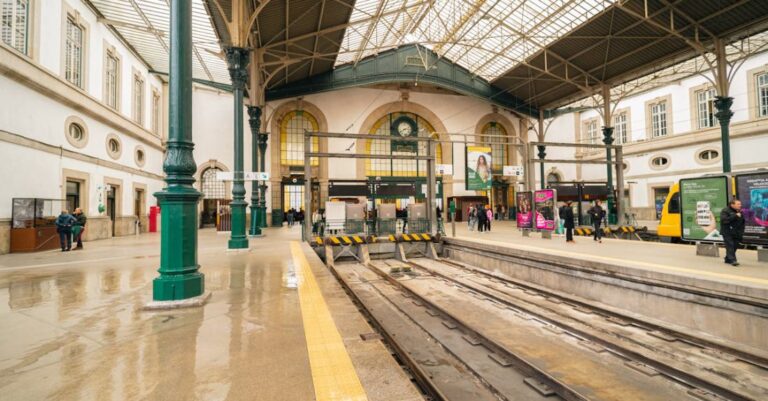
(488, 37)
(145, 25)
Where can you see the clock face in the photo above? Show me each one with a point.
(404, 129)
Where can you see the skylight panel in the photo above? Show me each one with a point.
(487, 40)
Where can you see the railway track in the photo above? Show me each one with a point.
(469, 335)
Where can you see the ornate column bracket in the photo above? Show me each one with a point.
(254, 121)
(237, 62)
(179, 276)
(608, 140)
(724, 114)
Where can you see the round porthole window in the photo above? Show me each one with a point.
(76, 132)
(708, 156)
(659, 162)
(140, 156)
(114, 147)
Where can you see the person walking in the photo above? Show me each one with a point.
(79, 228)
(290, 216)
(471, 218)
(64, 224)
(566, 215)
(489, 215)
(732, 230)
(598, 214)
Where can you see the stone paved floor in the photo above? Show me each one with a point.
(71, 327)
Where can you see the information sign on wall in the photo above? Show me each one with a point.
(544, 202)
(524, 209)
(444, 169)
(478, 168)
(512, 171)
(701, 200)
(752, 191)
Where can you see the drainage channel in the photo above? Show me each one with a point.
(709, 372)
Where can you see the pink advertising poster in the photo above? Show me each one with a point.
(544, 203)
(524, 209)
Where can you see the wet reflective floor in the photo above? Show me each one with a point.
(72, 328)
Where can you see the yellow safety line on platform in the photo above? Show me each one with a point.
(333, 374)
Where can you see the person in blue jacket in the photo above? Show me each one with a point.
(64, 224)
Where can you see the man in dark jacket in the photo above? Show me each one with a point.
(598, 214)
(79, 227)
(732, 230)
(566, 215)
(482, 218)
(64, 224)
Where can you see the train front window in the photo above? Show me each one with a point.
(674, 203)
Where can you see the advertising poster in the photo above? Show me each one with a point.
(701, 201)
(524, 209)
(479, 177)
(752, 191)
(544, 202)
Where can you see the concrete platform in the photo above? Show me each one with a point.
(665, 283)
(676, 261)
(277, 327)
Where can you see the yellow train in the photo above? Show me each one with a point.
(669, 229)
(669, 226)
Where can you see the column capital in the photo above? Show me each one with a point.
(237, 64)
(608, 135)
(723, 105)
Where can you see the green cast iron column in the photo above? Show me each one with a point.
(542, 154)
(608, 140)
(263, 138)
(179, 275)
(237, 61)
(724, 114)
(254, 121)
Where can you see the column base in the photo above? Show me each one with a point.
(199, 300)
(178, 286)
(238, 243)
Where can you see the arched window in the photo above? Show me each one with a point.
(399, 167)
(292, 129)
(494, 135)
(553, 177)
(212, 187)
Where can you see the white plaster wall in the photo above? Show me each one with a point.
(50, 41)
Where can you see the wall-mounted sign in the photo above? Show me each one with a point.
(444, 169)
(478, 168)
(544, 202)
(701, 201)
(524, 209)
(512, 171)
(247, 176)
(752, 191)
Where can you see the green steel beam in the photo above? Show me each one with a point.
(403, 65)
(179, 277)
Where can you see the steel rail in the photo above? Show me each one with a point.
(520, 363)
(674, 373)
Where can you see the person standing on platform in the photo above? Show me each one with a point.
(489, 215)
(732, 230)
(482, 217)
(471, 218)
(598, 214)
(566, 215)
(79, 228)
(64, 224)
(290, 217)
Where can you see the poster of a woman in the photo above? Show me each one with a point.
(479, 175)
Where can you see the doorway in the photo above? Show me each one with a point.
(112, 206)
(659, 197)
